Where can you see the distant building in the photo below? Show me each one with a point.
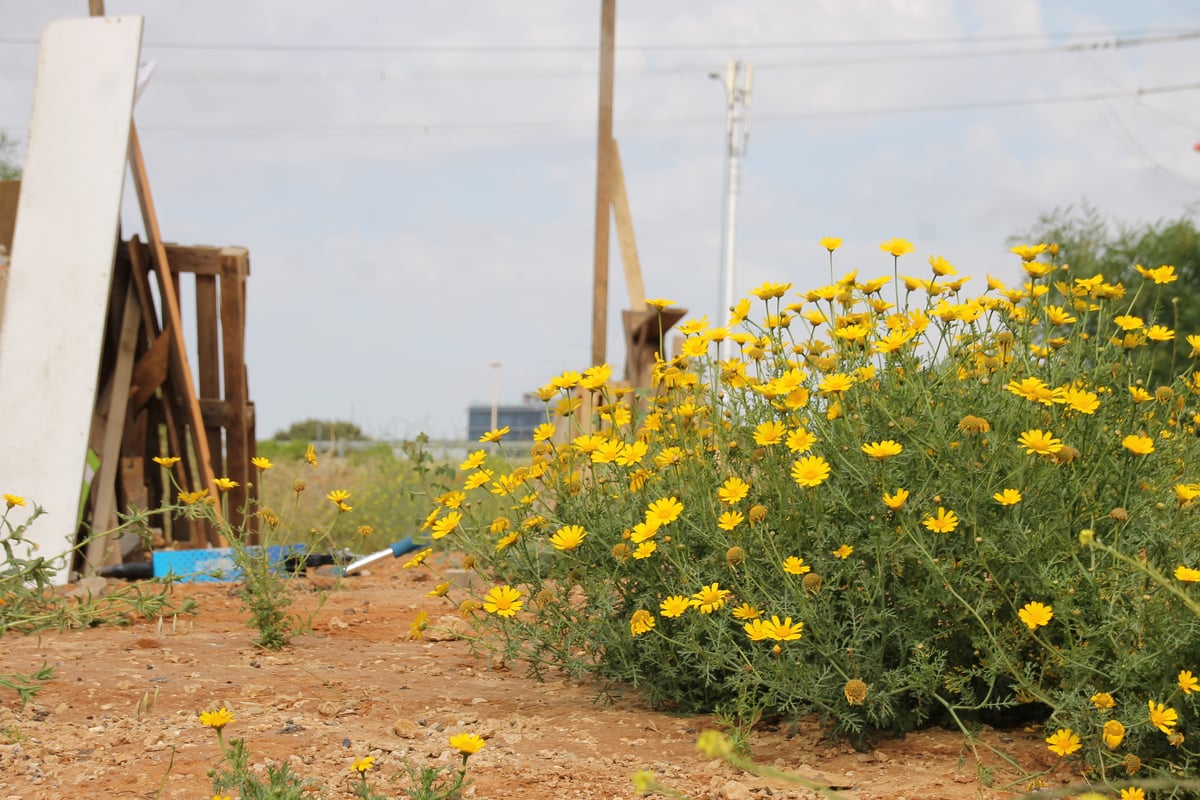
(520, 418)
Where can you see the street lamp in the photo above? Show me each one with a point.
(495, 365)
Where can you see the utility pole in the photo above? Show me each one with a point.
(495, 365)
(608, 17)
(738, 82)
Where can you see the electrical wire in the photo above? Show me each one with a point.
(1123, 133)
(551, 126)
(1126, 137)
(1138, 103)
(1119, 39)
(1105, 45)
(277, 75)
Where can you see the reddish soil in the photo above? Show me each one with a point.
(119, 719)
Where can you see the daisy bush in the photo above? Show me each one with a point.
(882, 501)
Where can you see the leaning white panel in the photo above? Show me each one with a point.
(61, 267)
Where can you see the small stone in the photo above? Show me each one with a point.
(735, 790)
(93, 586)
(406, 728)
(447, 628)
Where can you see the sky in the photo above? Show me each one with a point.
(415, 182)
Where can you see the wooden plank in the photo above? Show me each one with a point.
(62, 261)
(173, 321)
(645, 336)
(138, 260)
(103, 551)
(233, 344)
(9, 191)
(624, 221)
(608, 17)
(208, 370)
(195, 259)
(252, 475)
(150, 372)
(215, 411)
(134, 484)
(135, 488)
(252, 452)
(134, 494)
(150, 377)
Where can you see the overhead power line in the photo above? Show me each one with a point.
(551, 126)
(1112, 39)
(1095, 46)
(384, 75)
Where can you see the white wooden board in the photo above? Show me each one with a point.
(61, 266)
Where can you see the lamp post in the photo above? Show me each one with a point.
(495, 365)
(738, 82)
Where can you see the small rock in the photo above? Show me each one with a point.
(323, 580)
(406, 728)
(735, 790)
(447, 628)
(93, 586)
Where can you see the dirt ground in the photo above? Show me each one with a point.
(120, 718)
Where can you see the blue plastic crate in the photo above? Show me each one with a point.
(211, 565)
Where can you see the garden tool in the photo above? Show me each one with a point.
(397, 549)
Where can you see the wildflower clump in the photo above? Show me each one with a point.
(873, 508)
(29, 604)
(269, 557)
(236, 772)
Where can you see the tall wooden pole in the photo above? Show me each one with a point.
(608, 18)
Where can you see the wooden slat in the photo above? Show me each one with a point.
(135, 489)
(233, 344)
(604, 123)
(150, 372)
(645, 335)
(138, 259)
(102, 551)
(173, 322)
(133, 483)
(208, 372)
(624, 221)
(214, 410)
(9, 192)
(195, 259)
